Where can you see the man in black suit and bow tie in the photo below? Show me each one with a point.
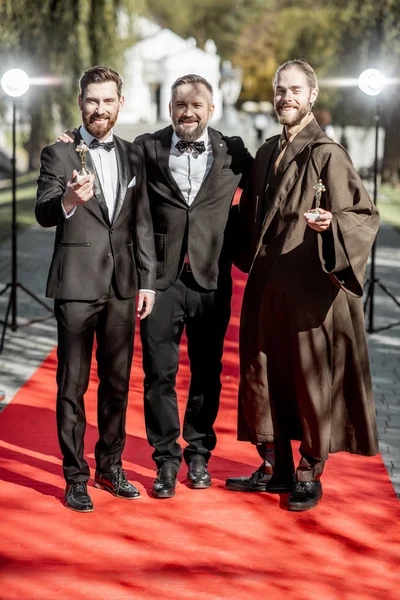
(103, 257)
(193, 172)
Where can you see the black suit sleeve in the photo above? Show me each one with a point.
(145, 248)
(139, 141)
(235, 235)
(242, 160)
(247, 161)
(51, 187)
(242, 257)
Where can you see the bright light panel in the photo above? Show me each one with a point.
(15, 82)
(371, 82)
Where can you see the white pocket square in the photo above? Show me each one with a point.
(132, 182)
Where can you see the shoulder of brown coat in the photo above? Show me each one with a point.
(267, 146)
(323, 148)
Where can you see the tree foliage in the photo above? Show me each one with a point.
(339, 38)
(219, 20)
(59, 38)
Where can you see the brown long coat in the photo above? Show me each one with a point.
(304, 361)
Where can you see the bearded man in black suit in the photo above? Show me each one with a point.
(103, 257)
(193, 172)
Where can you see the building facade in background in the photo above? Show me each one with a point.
(154, 63)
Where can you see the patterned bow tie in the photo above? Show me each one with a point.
(198, 147)
(105, 145)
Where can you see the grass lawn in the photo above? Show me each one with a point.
(26, 200)
(389, 204)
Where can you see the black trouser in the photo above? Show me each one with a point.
(113, 321)
(206, 316)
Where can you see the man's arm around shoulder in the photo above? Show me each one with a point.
(243, 160)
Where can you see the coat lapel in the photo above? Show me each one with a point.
(267, 155)
(91, 205)
(163, 148)
(219, 149)
(300, 141)
(290, 168)
(123, 176)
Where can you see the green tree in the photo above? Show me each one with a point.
(59, 38)
(280, 32)
(340, 38)
(219, 20)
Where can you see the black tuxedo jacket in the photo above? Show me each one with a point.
(202, 227)
(88, 248)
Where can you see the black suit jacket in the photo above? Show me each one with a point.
(88, 248)
(202, 227)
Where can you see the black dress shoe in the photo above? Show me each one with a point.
(77, 498)
(164, 484)
(117, 484)
(305, 495)
(198, 476)
(260, 481)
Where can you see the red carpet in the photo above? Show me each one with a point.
(202, 544)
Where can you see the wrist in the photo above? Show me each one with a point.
(67, 204)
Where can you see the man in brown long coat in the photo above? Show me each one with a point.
(303, 353)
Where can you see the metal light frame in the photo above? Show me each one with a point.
(15, 83)
(372, 82)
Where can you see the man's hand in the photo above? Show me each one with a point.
(77, 192)
(322, 222)
(66, 136)
(145, 304)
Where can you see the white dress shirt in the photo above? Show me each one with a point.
(105, 163)
(189, 169)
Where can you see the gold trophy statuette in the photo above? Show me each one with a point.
(313, 214)
(81, 150)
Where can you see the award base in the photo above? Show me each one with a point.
(312, 215)
(81, 175)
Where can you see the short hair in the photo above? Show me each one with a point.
(303, 65)
(99, 74)
(192, 78)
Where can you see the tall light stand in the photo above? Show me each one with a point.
(15, 83)
(372, 82)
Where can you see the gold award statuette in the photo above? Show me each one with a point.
(313, 214)
(81, 150)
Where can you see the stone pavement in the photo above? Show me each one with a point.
(25, 349)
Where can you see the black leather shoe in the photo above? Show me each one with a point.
(198, 476)
(260, 481)
(117, 484)
(77, 497)
(164, 484)
(305, 495)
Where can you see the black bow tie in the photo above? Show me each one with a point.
(106, 145)
(198, 147)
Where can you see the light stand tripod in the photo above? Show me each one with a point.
(14, 284)
(372, 282)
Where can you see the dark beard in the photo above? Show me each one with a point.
(188, 136)
(99, 131)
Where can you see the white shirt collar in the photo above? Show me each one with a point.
(88, 137)
(203, 138)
